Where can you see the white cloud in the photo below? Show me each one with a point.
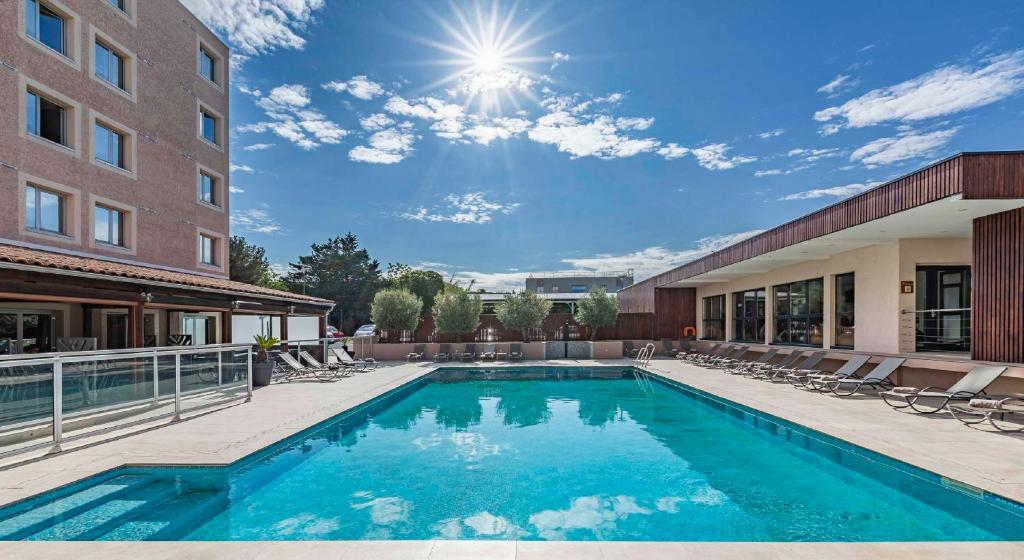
(583, 136)
(838, 85)
(841, 191)
(907, 145)
(470, 208)
(945, 91)
(448, 118)
(811, 155)
(235, 190)
(502, 127)
(475, 83)
(256, 147)
(634, 123)
(291, 118)
(291, 95)
(771, 133)
(376, 121)
(713, 157)
(672, 151)
(596, 514)
(241, 168)
(359, 87)
(558, 58)
(387, 146)
(254, 220)
(257, 27)
(768, 172)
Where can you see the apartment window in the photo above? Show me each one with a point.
(45, 211)
(109, 224)
(208, 189)
(748, 320)
(844, 311)
(46, 26)
(798, 312)
(46, 119)
(110, 146)
(714, 318)
(110, 66)
(119, 4)
(207, 65)
(207, 250)
(209, 127)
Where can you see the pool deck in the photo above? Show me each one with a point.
(986, 460)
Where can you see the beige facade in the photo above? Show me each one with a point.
(155, 112)
(883, 314)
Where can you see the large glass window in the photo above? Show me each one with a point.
(109, 225)
(208, 189)
(748, 320)
(109, 146)
(46, 26)
(943, 308)
(209, 123)
(207, 250)
(207, 65)
(44, 211)
(844, 311)
(798, 312)
(45, 119)
(109, 65)
(714, 318)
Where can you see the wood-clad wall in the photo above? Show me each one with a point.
(997, 295)
(994, 175)
(676, 310)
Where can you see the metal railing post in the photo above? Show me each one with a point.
(156, 376)
(220, 368)
(248, 375)
(58, 403)
(177, 386)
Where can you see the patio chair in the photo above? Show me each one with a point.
(489, 353)
(742, 366)
(733, 356)
(971, 386)
(802, 376)
(721, 352)
(291, 369)
(501, 353)
(367, 364)
(419, 351)
(468, 353)
(976, 411)
(697, 354)
(444, 353)
(877, 379)
(759, 370)
(666, 347)
(341, 368)
(628, 350)
(515, 352)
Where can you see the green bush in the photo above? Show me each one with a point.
(522, 311)
(457, 312)
(597, 310)
(396, 310)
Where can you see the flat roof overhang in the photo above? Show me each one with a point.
(950, 217)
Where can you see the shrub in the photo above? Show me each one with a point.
(597, 310)
(522, 311)
(396, 310)
(457, 312)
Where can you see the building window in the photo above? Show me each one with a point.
(844, 311)
(208, 189)
(109, 66)
(943, 314)
(45, 211)
(46, 119)
(578, 289)
(46, 26)
(119, 4)
(209, 127)
(714, 318)
(110, 146)
(798, 313)
(207, 250)
(207, 65)
(748, 321)
(109, 224)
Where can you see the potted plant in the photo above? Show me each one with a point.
(263, 366)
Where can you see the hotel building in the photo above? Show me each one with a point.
(114, 176)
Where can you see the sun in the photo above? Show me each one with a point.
(488, 60)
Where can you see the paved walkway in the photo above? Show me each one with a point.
(986, 460)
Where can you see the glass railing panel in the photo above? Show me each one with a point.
(93, 385)
(26, 394)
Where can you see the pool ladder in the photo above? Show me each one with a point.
(643, 358)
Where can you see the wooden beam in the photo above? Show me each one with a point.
(225, 326)
(136, 323)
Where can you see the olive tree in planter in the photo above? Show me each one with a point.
(396, 310)
(263, 366)
(597, 310)
(457, 312)
(523, 311)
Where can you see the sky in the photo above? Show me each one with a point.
(491, 140)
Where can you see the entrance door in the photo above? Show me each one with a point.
(117, 331)
(944, 308)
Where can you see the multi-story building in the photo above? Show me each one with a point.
(578, 283)
(114, 174)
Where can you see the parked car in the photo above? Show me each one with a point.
(365, 330)
(333, 332)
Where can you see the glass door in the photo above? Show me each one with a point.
(197, 327)
(26, 332)
(944, 308)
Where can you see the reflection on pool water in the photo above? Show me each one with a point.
(532, 453)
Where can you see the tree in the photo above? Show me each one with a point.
(339, 270)
(522, 311)
(457, 312)
(424, 283)
(248, 263)
(597, 310)
(396, 310)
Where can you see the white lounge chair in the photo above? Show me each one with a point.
(1009, 411)
(801, 377)
(291, 369)
(877, 378)
(341, 369)
(971, 386)
(743, 366)
(366, 364)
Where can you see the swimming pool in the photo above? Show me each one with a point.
(537, 454)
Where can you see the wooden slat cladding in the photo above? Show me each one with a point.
(676, 310)
(993, 176)
(989, 175)
(997, 296)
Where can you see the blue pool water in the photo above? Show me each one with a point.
(532, 453)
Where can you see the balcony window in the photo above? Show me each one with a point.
(109, 66)
(46, 26)
(110, 146)
(46, 119)
(109, 225)
(45, 211)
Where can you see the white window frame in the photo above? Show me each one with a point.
(129, 141)
(219, 128)
(128, 12)
(219, 63)
(72, 210)
(130, 64)
(72, 32)
(72, 112)
(129, 225)
(219, 250)
(219, 189)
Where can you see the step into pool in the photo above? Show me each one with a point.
(533, 454)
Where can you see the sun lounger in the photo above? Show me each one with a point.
(444, 353)
(367, 364)
(743, 366)
(340, 368)
(666, 347)
(488, 353)
(1008, 410)
(693, 353)
(417, 354)
(501, 353)
(291, 369)
(802, 376)
(730, 357)
(468, 353)
(716, 351)
(877, 379)
(971, 386)
(515, 352)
